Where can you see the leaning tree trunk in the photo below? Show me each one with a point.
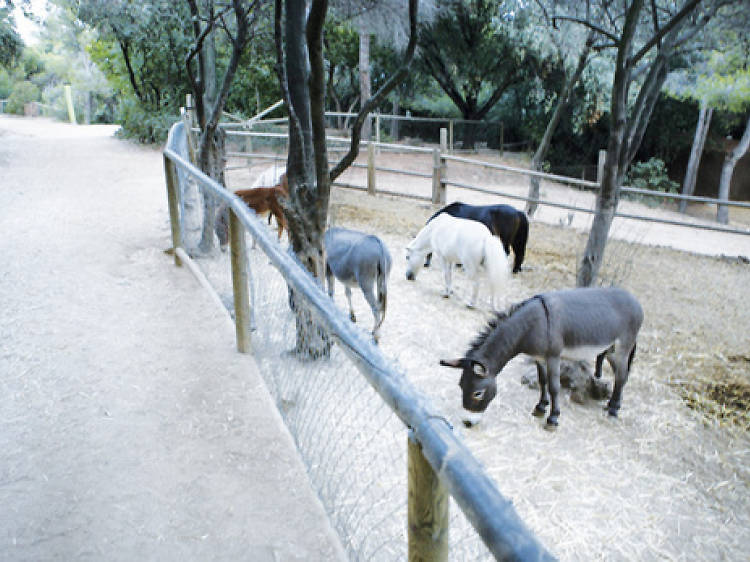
(609, 190)
(699, 141)
(727, 170)
(606, 205)
(562, 104)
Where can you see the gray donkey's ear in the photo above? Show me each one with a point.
(455, 363)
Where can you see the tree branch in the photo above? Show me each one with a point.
(590, 25)
(294, 124)
(238, 45)
(676, 19)
(314, 36)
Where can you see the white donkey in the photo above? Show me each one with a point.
(470, 243)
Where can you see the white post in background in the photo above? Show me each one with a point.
(69, 101)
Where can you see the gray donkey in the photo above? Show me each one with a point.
(359, 259)
(571, 324)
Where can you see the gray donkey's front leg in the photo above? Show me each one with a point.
(553, 381)
(541, 408)
(348, 293)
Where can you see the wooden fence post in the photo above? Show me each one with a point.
(428, 509)
(438, 177)
(371, 187)
(450, 135)
(239, 283)
(173, 187)
(443, 139)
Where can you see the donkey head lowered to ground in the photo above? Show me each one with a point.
(576, 324)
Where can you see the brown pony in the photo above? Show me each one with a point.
(260, 199)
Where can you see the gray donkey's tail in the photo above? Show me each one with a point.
(384, 269)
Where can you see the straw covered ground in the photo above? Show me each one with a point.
(669, 479)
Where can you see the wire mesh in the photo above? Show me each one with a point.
(352, 443)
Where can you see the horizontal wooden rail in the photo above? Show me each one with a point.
(585, 184)
(717, 228)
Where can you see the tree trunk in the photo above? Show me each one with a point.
(212, 140)
(699, 141)
(307, 208)
(606, 201)
(727, 169)
(562, 104)
(606, 205)
(211, 161)
(395, 122)
(364, 76)
(87, 108)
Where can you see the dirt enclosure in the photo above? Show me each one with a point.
(669, 479)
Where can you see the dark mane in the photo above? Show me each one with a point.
(499, 318)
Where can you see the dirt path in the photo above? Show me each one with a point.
(131, 429)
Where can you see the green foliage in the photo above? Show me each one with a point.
(6, 83)
(31, 63)
(23, 92)
(144, 125)
(477, 51)
(11, 44)
(651, 175)
(670, 130)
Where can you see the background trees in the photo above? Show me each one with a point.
(718, 79)
(646, 39)
(476, 51)
(562, 75)
(11, 44)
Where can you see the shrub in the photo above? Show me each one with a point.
(651, 175)
(23, 93)
(145, 126)
(6, 84)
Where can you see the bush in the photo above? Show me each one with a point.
(651, 175)
(145, 126)
(6, 84)
(23, 93)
